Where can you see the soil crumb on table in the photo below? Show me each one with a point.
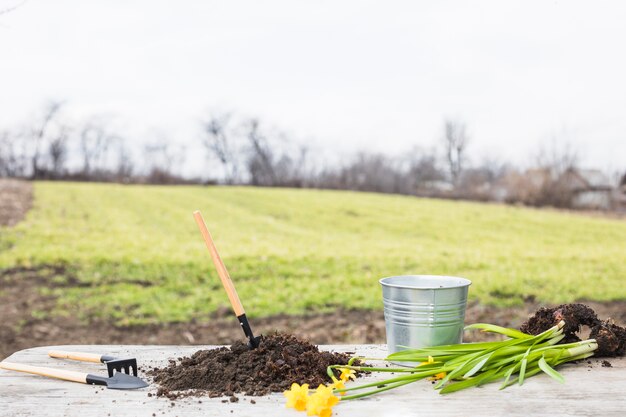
(279, 361)
(606, 364)
(611, 338)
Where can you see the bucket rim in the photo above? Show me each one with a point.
(444, 282)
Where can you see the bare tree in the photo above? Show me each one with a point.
(39, 133)
(556, 156)
(57, 152)
(94, 143)
(261, 159)
(549, 181)
(10, 9)
(455, 140)
(12, 163)
(556, 163)
(301, 174)
(494, 169)
(219, 142)
(424, 169)
(163, 162)
(124, 170)
(374, 172)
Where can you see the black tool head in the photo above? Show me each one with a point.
(122, 365)
(254, 342)
(118, 381)
(123, 381)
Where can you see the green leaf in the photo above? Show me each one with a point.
(478, 366)
(466, 366)
(507, 376)
(444, 349)
(522, 371)
(530, 371)
(442, 381)
(515, 334)
(543, 365)
(471, 382)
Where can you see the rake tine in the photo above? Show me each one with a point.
(122, 365)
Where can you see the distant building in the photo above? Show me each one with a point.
(590, 188)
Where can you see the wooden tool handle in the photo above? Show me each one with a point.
(50, 372)
(219, 265)
(77, 356)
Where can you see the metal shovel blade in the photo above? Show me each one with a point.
(118, 381)
(254, 342)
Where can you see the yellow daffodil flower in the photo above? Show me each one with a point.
(347, 374)
(297, 396)
(321, 402)
(338, 384)
(430, 360)
(440, 375)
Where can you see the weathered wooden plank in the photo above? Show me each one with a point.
(590, 389)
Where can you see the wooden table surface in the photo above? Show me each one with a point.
(590, 389)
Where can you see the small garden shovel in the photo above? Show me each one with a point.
(253, 342)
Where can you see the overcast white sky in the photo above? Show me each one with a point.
(346, 75)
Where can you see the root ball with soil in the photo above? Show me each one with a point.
(610, 337)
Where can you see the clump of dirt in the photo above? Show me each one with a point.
(611, 338)
(574, 315)
(280, 360)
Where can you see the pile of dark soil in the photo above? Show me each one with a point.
(611, 338)
(279, 361)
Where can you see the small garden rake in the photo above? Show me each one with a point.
(113, 364)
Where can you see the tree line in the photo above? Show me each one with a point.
(249, 152)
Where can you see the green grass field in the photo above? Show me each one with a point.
(138, 256)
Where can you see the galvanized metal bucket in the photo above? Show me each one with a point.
(424, 310)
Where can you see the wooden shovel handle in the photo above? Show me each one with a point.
(219, 265)
(77, 356)
(50, 372)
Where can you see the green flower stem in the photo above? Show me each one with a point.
(375, 369)
(470, 382)
(385, 388)
(422, 368)
(331, 374)
(415, 376)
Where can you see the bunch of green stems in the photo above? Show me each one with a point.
(473, 364)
